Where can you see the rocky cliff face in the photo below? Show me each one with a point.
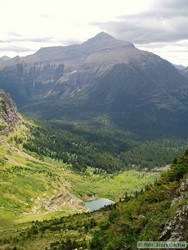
(8, 113)
(176, 228)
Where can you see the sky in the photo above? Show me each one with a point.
(159, 26)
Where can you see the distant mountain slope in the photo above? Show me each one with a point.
(179, 66)
(61, 70)
(103, 76)
(4, 58)
(185, 72)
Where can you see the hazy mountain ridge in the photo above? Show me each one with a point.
(60, 65)
(179, 66)
(4, 58)
(185, 72)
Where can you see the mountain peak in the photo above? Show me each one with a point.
(100, 37)
(103, 36)
(103, 39)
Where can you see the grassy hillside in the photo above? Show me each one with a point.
(149, 215)
(53, 168)
(159, 213)
(30, 186)
(47, 172)
(36, 187)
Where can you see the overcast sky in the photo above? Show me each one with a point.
(159, 26)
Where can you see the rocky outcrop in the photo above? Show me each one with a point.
(63, 199)
(57, 202)
(176, 228)
(8, 113)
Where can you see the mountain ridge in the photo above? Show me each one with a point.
(102, 76)
(4, 58)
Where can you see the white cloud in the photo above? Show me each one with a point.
(41, 23)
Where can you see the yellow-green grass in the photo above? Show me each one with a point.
(43, 216)
(24, 179)
(110, 186)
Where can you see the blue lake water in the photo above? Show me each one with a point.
(98, 203)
